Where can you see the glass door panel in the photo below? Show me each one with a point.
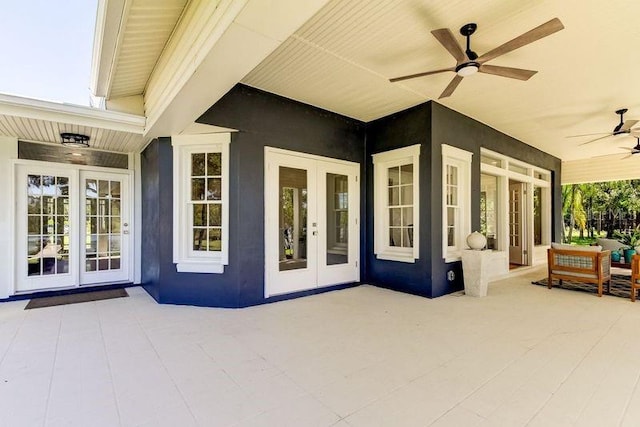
(45, 234)
(292, 253)
(102, 225)
(290, 224)
(105, 228)
(47, 225)
(338, 230)
(337, 219)
(516, 230)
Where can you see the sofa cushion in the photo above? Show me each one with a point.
(576, 261)
(576, 247)
(609, 244)
(574, 274)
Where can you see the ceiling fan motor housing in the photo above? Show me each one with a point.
(466, 31)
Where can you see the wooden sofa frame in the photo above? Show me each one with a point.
(635, 276)
(597, 267)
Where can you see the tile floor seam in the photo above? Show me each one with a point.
(635, 388)
(479, 387)
(109, 366)
(522, 385)
(13, 338)
(629, 399)
(577, 365)
(53, 368)
(604, 375)
(437, 366)
(553, 333)
(586, 401)
(164, 367)
(391, 391)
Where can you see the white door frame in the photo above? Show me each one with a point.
(22, 281)
(22, 168)
(124, 274)
(317, 273)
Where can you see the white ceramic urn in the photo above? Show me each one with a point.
(476, 241)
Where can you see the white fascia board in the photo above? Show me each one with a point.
(109, 18)
(73, 114)
(229, 55)
(201, 91)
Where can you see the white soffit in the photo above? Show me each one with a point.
(43, 121)
(612, 167)
(147, 26)
(342, 58)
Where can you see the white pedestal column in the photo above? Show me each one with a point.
(476, 272)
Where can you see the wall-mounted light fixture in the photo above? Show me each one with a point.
(74, 140)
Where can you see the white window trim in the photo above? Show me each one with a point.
(381, 163)
(505, 174)
(462, 160)
(185, 259)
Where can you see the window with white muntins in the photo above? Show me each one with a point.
(201, 202)
(456, 201)
(396, 196)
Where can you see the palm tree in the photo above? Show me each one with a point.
(573, 208)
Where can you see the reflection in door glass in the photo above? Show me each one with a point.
(292, 218)
(102, 243)
(337, 219)
(47, 225)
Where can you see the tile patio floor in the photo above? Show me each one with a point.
(359, 357)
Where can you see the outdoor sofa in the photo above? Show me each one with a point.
(588, 264)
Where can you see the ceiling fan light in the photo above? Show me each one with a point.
(467, 69)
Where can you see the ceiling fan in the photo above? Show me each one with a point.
(622, 128)
(468, 62)
(634, 150)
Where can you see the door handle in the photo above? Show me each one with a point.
(315, 233)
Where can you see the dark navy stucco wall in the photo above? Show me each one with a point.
(150, 183)
(159, 275)
(452, 128)
(409, 127)
(262, 119)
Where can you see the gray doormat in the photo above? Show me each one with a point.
(76, 298)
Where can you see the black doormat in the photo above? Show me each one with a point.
(620, 285)
(76, 298)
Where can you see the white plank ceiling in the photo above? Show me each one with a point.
(341, 61)
(39, 130)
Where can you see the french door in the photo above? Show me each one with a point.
(104, 225)
(517, 235)
(72, 227)
(311, 226)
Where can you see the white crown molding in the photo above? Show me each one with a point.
(11, 105)
(106, 39)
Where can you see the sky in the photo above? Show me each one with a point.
(45, 49)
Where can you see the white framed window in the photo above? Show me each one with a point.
(201, 202)
(456, 201)
(396, 200)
